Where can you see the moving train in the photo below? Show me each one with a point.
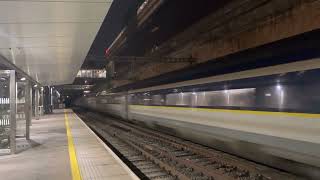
(269, 115)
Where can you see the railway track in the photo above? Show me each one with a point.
(160, 156)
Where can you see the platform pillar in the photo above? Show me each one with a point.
(13, 110)
(36, 103)
(28, 109)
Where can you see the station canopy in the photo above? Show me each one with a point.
(49, 39)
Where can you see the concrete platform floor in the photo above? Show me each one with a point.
(48, 159)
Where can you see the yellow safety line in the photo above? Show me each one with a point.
(301, 115)
(72, 152)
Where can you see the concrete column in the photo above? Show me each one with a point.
(13, 109)
(27, 109)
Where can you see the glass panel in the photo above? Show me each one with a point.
(4, 111)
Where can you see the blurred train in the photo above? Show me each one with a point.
(269, 115)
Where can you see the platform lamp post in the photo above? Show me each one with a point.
(13, 111)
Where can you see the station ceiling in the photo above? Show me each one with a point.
(49, 39)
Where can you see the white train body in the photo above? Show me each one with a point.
(269, 115)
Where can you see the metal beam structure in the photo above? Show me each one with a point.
(9, 65)
(151, 59)
(75, 87)
(135, 61)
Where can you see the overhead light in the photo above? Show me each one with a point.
(35, 85)
(279, 87)
(86, 91)
(23, 79)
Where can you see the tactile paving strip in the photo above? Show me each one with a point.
(94, 161)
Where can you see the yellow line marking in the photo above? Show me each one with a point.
(72, 152)
(300, 115)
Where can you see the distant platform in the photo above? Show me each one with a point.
(63, 147)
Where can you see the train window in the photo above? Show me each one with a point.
(289, 97)
(103, 100)
(224, 98)
(282, 96)
(140, 99)
(272, 94)
(240, 97)
(146, 99)
(179, 99)
(134, 99)
(111, 99)
(158, 100)
(119, 100)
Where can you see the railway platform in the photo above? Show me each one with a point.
(63, 147)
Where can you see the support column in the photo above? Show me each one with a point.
(27, 109)
(31, 103)
(13, 109)
(127, 105)
(51, 100)
(42, 100)
(36, 103)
